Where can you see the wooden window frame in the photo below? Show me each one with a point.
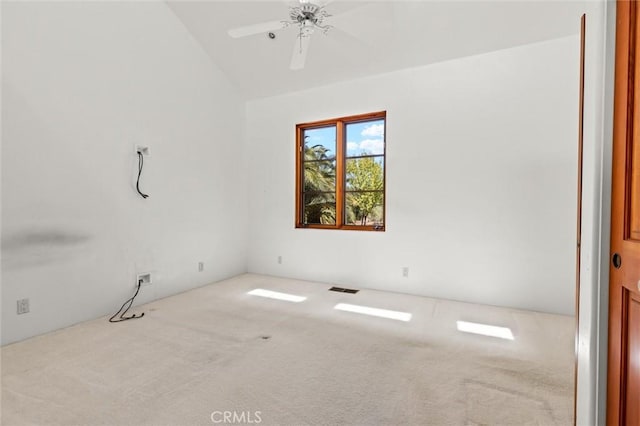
(340, 124)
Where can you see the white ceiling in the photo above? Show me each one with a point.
(369, 38)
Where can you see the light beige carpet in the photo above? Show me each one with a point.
(217, 350)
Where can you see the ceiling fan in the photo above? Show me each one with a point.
(307, 17)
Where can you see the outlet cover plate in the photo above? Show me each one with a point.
(145, 277)
(144, 150)
(23, 306)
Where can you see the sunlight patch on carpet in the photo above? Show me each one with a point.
(276, 295)
(485, 330)
(376, 312)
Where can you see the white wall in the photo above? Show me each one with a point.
(481, 181)
(82, 83)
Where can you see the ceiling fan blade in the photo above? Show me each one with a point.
(263, 27)
(366, 19)
(346, 39)
(300, 49)
(335, 8)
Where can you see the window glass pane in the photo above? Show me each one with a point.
(319, 176)
(365, 174)
(365, 138)
(343, 176)
(320, 144)
(319, 208)
(364, 208)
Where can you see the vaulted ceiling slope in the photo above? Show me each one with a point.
(371, 37)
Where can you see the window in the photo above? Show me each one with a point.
(340, 173)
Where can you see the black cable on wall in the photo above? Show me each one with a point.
(140, 165)
(129, 302)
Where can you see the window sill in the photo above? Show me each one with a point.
(343, 227)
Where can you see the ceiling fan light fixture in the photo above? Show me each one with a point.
(308, 17)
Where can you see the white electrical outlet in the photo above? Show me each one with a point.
(143, 279)
(144, 150)
(405, 271)
(280, 260)
(200, 266)
(23, 306)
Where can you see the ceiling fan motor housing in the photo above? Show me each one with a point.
(309, 14)
(305, 12)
